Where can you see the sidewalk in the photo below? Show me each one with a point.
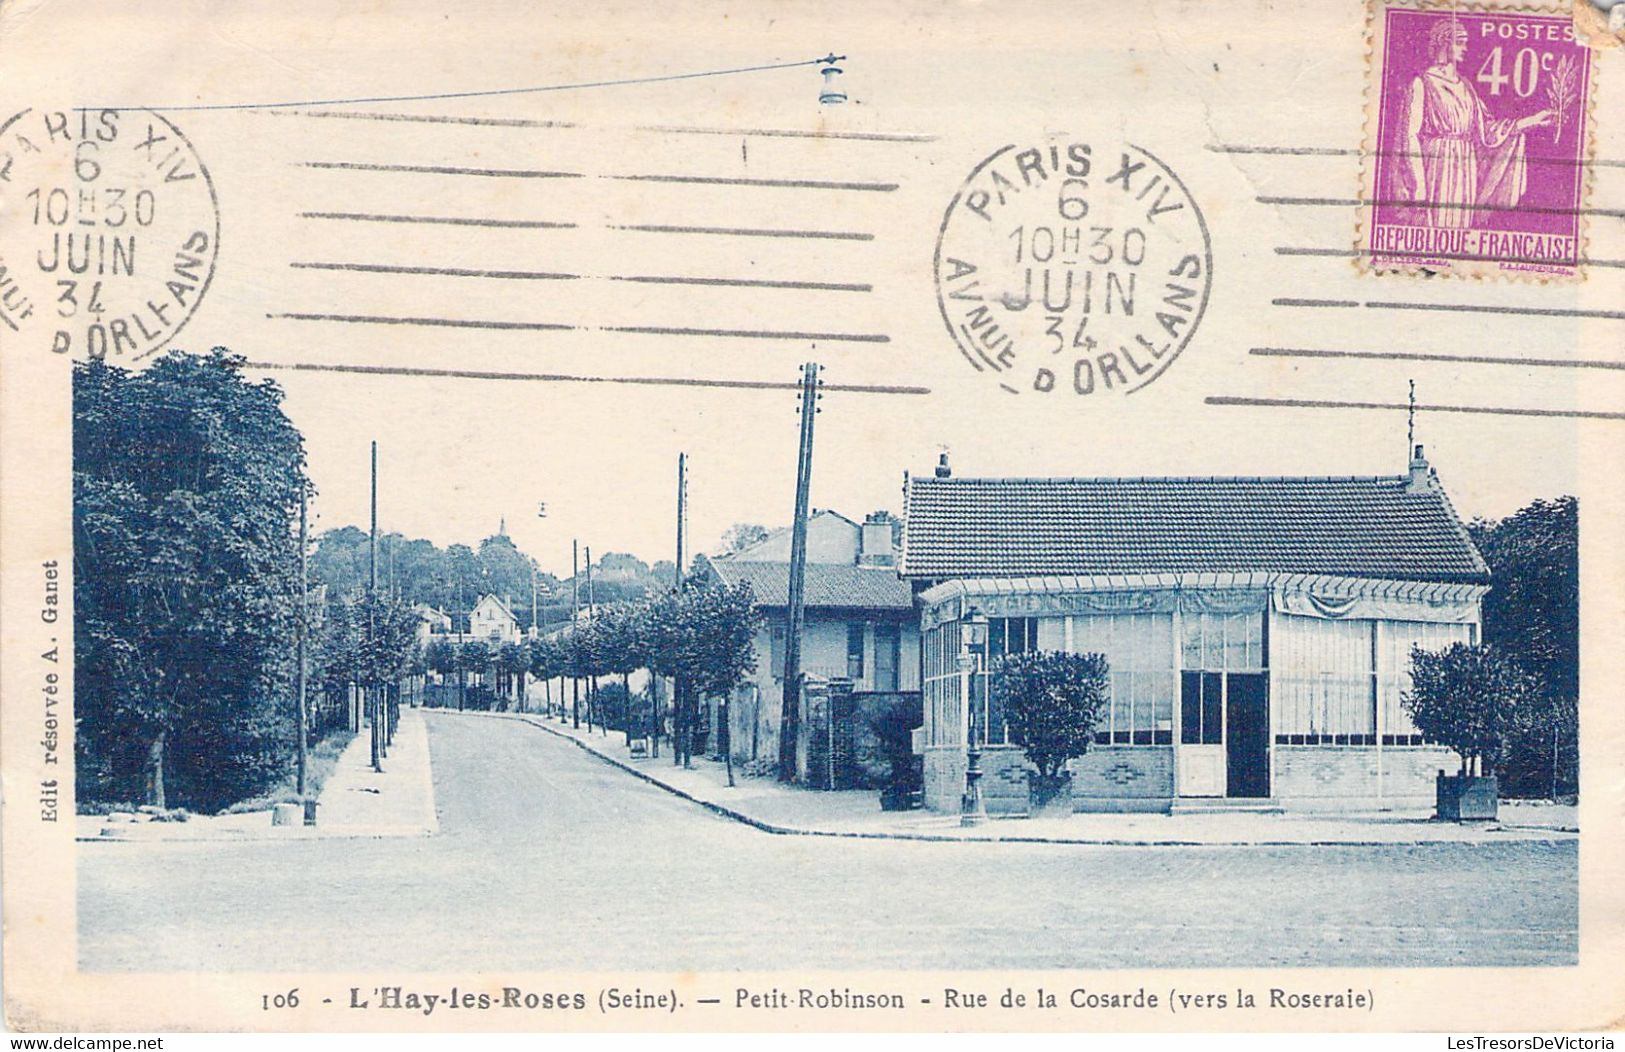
(354, 802)
(776, 808)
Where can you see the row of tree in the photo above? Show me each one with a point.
(699, 638)
(454, 577)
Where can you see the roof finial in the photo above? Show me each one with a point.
(1410, 422)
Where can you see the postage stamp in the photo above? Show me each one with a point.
(1477, 128)
(114, 233)
(1072, 267)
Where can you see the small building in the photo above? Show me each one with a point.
(860, 631)
(1258, 630)
(492, 620)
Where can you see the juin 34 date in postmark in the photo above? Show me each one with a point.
(109, 231)
(1072, 268)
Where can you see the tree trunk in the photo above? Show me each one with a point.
(155, 772)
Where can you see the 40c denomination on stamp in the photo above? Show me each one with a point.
(1073, 268)
(110, 231)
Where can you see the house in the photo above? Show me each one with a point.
(493, 620)
(1258, 630)
(860, 632)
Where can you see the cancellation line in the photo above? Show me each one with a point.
(1313, 403)
(1431, 356)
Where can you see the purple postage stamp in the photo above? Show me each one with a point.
(1476, 142)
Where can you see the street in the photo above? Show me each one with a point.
(548, 859)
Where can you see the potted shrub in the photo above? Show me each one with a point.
(1466, 697)
(1052, 702)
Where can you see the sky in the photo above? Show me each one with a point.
(723, 230)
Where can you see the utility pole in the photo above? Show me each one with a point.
(372, 626)
(592, 679)
(304, 612)
(575, 612)
(790, 712)
(677, 693)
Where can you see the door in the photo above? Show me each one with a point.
(1247, 735)
(1199, 760)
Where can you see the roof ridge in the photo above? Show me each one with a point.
(1163, 478)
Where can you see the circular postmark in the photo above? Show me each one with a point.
(109, 230)
(1072, 267)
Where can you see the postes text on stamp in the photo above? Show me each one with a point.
(1476, 142)
(110, 231)
(1072, 268)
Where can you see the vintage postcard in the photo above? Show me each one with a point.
(842, 516)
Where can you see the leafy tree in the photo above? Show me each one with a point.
(1052, 701)
(546, 662)
(512, 662)
(441, 657)
(1532, 614)
(186, 482)
(741, 535)
(1467, 697)
(473, 656)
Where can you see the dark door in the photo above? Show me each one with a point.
(1247, 735)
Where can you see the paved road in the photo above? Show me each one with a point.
(548, 859)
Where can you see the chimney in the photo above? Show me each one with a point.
(876, 548)
(1421, 475)
(943, 470)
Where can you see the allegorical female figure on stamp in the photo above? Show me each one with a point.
(1456, 157)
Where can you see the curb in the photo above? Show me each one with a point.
(778, 830)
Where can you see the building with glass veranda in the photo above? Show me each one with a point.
(1258, 631)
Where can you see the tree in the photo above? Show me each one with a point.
(622, 643)
(546, 663)
(741, 535)
(703, 638)
(1532, 614)
(512, 661)
(1052, 701)
(440, 657)
(473, 656)
(1467, 697)
(186, 483)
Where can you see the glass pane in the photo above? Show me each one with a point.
(1212, 708)
(1212, 642)
(1190, 649)
(1190, 707)
(1235, 641)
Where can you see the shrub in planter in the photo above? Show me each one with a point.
(1052, 702)
(893, 727)
(1467, 697)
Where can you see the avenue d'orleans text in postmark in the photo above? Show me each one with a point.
(111, 234)
(1072, 268)
(1477, 128)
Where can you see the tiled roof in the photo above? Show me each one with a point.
(1356, 527)
(825, 585)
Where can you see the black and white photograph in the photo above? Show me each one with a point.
(871, 518)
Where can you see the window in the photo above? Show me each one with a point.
(1201, 708)
(1394, 642)
(1139, 651)
(1011, 635)
(854, 650)
(776, 651)
(888, 656)
(1325, 681)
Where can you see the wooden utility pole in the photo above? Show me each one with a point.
(304, 612)
(790, 711)
(575, 612)
(677, 696)
(372, 627)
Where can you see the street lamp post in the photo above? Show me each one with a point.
(973, 644)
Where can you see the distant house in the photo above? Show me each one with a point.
(432, 622)
(493, 621)
(860, 629)
(1258, 630)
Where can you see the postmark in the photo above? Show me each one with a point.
(109, 231)
(1477, 133)
(1072, 268)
